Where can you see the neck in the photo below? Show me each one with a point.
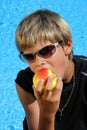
(69, 71)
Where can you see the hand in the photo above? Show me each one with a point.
(48, 100)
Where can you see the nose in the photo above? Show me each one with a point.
(39, 61)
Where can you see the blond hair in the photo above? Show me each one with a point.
(41, 25)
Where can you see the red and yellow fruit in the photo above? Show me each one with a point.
(43, 74)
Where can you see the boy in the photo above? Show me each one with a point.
(44, 40)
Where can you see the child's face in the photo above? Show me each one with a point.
(56, 62)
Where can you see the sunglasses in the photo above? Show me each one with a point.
(45, 53)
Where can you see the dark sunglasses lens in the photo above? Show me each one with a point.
(29, 57)
(48, 51)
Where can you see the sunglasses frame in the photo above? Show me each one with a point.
(23, 56)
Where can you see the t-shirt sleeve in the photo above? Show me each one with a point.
(81, 74)
(24, 80)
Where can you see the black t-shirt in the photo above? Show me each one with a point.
(75, 113)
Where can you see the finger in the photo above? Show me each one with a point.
(47, 91)
(57, 91)
(38, 90)
(47, 95)
(59, 83)
(40, 85)
(49, 83)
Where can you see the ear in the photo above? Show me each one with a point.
(68, 47)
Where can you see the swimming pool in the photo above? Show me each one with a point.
(11, 12)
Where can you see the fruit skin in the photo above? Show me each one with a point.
(43, 74)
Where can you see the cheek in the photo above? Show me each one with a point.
(59, 62)
(59, 57)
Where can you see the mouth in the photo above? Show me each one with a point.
(40, 68)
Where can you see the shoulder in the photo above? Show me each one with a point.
(81, 75)
(80, 59)
(81, 64)
(24, 79)
(25, 73)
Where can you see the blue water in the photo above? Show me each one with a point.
(11, 12)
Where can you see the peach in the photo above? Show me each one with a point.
(43, 74)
